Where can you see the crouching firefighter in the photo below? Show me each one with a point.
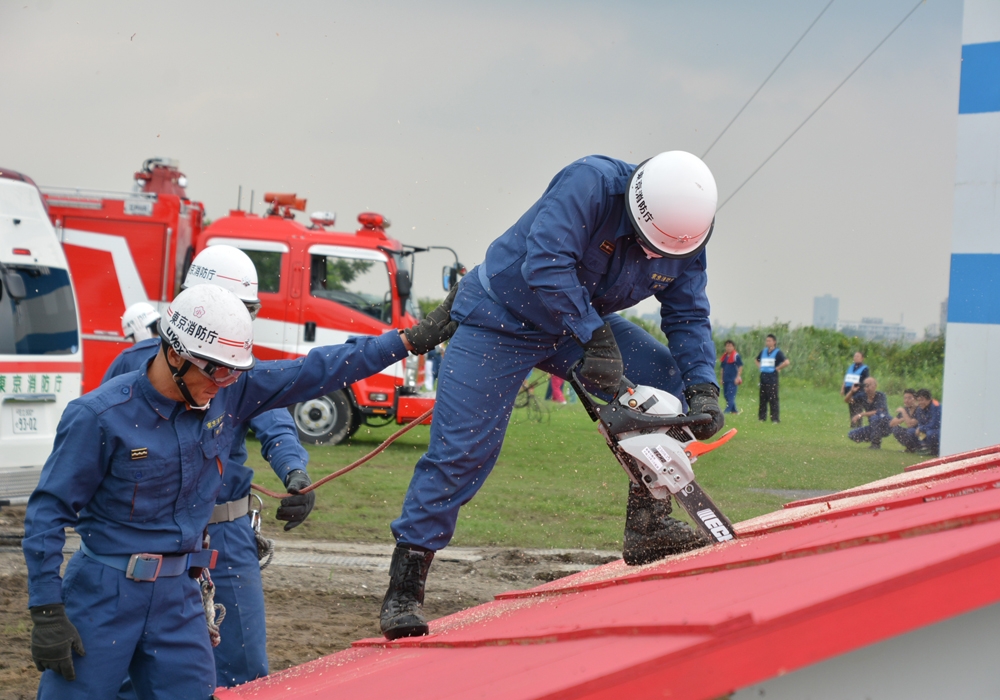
(136, 467)
(605, 235)
(241, 653)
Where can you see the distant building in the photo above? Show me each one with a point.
(826, 311)
(875, 329)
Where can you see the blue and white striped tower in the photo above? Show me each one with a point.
(971, 398)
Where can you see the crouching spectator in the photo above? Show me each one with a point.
(874, 407)
(926, 436)
(904, 425)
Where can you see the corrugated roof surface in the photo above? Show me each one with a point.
(819, 578)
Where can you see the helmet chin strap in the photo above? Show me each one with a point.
(178, 374)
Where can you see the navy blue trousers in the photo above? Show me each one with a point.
(242, 654)
(729, 391)
(154, 631)
(873, 432)
(488, 358)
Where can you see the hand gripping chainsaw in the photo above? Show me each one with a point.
(651, 438)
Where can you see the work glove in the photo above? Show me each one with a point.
(53, 639)
(602, 361)
(704, 398)
(296, 508)
(436, 327)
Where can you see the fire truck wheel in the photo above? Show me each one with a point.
(324, 421)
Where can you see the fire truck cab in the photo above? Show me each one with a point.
(40, 353)
(320, 287)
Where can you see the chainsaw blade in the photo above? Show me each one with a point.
(706, 515)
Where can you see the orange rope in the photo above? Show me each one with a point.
(330, 477)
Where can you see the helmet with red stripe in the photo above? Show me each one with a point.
(208, 325)
(671, 203)
(229, 268)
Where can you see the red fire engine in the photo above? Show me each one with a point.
(317, 286)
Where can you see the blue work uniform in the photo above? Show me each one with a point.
(242, 654)
(928, 424)
(136, 472)
(878, 424)
(730, 371)
(557, 275)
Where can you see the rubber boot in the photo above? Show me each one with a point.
(402, 608)
(650, 532)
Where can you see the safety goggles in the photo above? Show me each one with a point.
(220, 375)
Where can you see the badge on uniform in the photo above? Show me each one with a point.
(140, 453)
(607, 247)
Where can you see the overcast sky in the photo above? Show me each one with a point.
(451, 118)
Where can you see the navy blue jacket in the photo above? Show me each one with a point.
(134, 471)
(573, 257)
(279, 440)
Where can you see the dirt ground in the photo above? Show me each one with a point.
(320, 596)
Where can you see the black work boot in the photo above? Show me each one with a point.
(402, 608)
(650, 532)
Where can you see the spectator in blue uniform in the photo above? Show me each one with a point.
(928, 415)
(770, 361)
(874, 407)
(604, 235)
(904, 425)
(857, 372)
(135, 469)
(241, 655)
(732, 375)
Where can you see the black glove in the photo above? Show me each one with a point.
(53, 640)
(602, 361)
(436, 327)
(704, 398)
(296, 509)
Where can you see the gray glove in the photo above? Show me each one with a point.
(436, 327)
(602, 361)
(53, 639)
(296, 508)
(704, 398)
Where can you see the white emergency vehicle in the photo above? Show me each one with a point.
(40, 354)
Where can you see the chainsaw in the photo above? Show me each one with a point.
(651, 438)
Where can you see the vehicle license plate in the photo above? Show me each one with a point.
(25, 421)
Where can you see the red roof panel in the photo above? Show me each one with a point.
(703, 624)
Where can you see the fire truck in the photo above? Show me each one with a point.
(318, 286)
(40, 353)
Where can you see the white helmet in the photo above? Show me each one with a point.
(138, 320)
(226, 267)
(671, 202)
(208, 325)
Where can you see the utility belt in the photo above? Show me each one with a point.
(233, 510)
(149, 567)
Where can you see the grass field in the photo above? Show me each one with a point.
(556, 483)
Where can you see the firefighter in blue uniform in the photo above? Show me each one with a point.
(603, 236)
(241, 655)
(136, 468)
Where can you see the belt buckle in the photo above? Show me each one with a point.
(140, 566)
(255, 512)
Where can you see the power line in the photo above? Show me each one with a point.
(766, 79)
(856, 68)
